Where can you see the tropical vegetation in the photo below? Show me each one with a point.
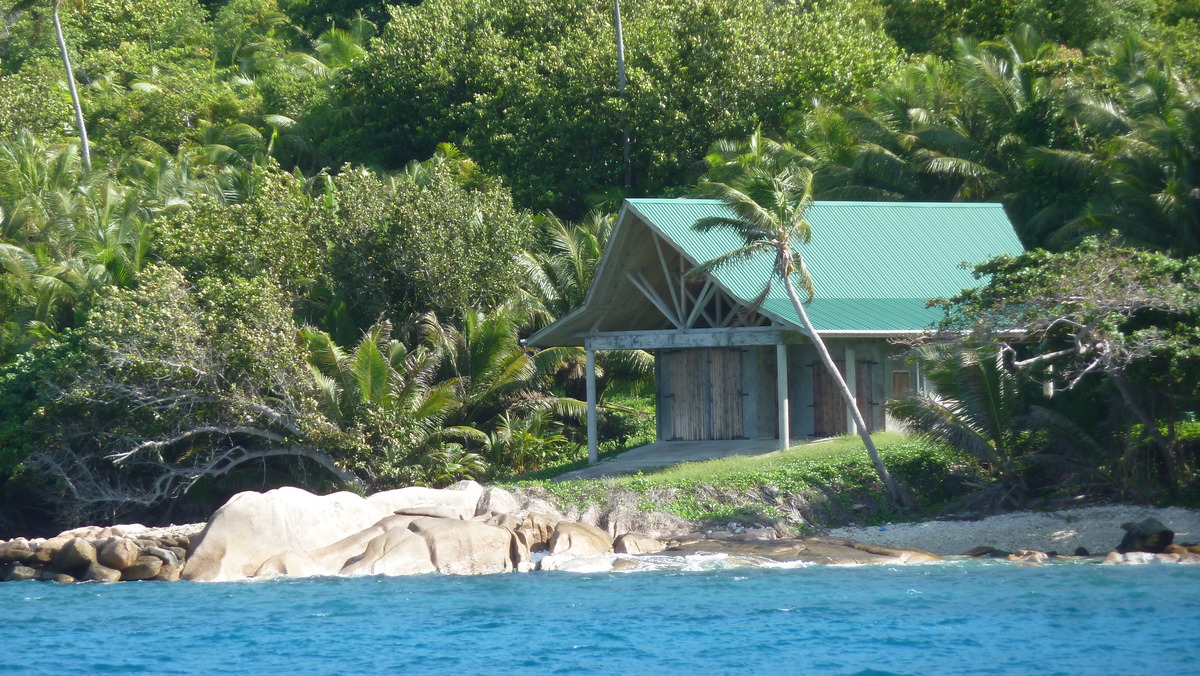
(247, 243)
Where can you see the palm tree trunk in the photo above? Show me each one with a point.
(899, 496)
(62, 49)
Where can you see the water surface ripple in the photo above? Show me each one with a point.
(964, 617)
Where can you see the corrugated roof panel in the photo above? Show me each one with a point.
(874, 264)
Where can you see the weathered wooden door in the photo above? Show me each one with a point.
(829, 409)
(706, 393)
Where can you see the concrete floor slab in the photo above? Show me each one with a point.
(666, 453)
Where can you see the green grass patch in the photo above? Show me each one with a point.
(836, 474)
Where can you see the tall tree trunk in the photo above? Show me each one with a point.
(621, 88)
(79, 124)
(900, 497)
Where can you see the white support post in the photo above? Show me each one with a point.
(852, 383)
(781, 394)
(593, 445)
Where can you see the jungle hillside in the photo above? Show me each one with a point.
(254, 243)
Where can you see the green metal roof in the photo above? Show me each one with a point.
(874, 265)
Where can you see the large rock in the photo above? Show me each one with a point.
(76, 554)
(461, 499)
(118, 553)
(466, 547)
(811, 550)
(637, 543)
(538, 528)
(1148, 535)
(254, 527)
(572, 539)
(494, 501)
(144, 568)
(292, 532)
(48, 549)
(98, 573)
(168, 573)
(15, 572)
(16, 551)
(398, 551)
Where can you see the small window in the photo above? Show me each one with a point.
(901, 384)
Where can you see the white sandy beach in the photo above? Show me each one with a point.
(1097, 529)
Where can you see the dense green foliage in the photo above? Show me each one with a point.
(1100, 388)
(530, 88)
(278, 269)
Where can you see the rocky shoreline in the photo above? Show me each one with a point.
(469, 529)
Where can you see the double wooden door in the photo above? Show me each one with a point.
(829, 409)
(706, 394)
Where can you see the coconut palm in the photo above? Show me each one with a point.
(770, 211)
(66, 59)
(390, 396)
(1149, 173)
(556, 281)
(979, 406)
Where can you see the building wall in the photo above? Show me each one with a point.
(757, 387)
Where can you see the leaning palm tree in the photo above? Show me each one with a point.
(769, 216)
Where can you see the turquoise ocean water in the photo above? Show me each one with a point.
(946, 618)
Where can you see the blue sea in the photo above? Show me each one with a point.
(948, 618)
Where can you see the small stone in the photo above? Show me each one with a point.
(1028, 556)
(15, 572)
(1166, 558)
(75, 554)
(145, 568)
(63, 578)
(1189, 558)
(978, 551)
(1114, 559)
(99, 573)
(168, 557)
(720, 535)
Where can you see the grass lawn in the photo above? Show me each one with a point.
(829, 480)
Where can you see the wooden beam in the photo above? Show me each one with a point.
(666, 340)
(649, 292)
(705, 296)
(781, 395)
(592, 437)
(662, 260)
(700, 300)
